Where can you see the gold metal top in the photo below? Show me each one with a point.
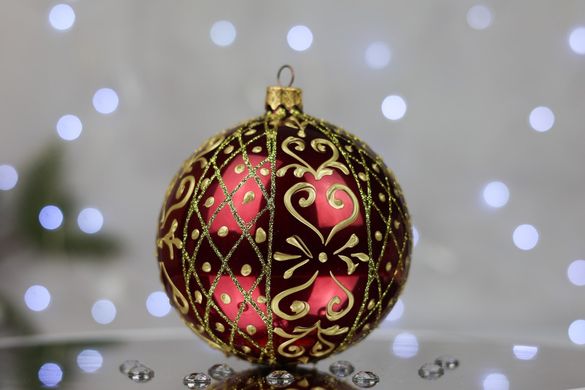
(287, 97)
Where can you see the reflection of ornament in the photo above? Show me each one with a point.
(285, 239)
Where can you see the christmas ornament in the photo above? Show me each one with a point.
(284, 239)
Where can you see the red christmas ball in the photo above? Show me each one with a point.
(284, 239)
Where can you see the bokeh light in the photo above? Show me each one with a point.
(299, 38)
(50, 374)
(577, 40)
(90, 220)
(105, 101)
(62, 17)
(103, 311)
(37, 298)
(541, 119)
(396, 312)
(415, 236)
(222, 33)
(158, 304)
(577, 332)
(525, 237)
(393, 107)
(576, 272)
(378, 55)
(496, 194)
(525, 352)
(496, 381)
(51, 217)
(405, 345)
(89, 360)
(69, 127)
(8, 177)
(479, 17)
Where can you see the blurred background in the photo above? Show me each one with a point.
(479, 108)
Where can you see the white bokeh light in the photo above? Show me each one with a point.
(479, 17)
(541, 119)
(496, 381)
(222, 33)
(577, 40)
(105, 100)
(158, 304)
(393, 107)
(525, 352)
(103, 311)
(50, 374)
(415, 236)
(405, 345)
(69, 127)
(51, 217)
(496, 194)
(89, 360)
(378, 55)
(576, 272)
(37, 298)
(577, 332)
(90, 220)
(396, 312)
(299, 38)
(8, 177)
(62, 17)
(525, 237)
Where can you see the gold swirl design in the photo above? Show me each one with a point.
(303, 202)
(170, 239)
(179, 299)
(338, 204)
(333, 315)
(187, 180)
(300, 308)
(319, 349)
(320, 145)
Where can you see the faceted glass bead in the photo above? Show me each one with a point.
(140, 373)
(447, 362)
(197, 380)
(280, 378)
(341, 368)
(430, 371)
(220, 371)
(365, 379)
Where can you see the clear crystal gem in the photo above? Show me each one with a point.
(447, 362)
(128, 365)
(197, 380)
(140, 373)
(431, 371)
(365, 379)
(280, 378)
(220, 371)
(341, 368)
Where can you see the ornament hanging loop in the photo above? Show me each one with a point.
(292, 75)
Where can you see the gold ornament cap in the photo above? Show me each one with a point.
(286, 97)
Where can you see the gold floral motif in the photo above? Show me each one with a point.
(180, 301)
(321, 348)
(170, 240)
(186, 181)
(318, 144)
(333, 315)
(299, 308)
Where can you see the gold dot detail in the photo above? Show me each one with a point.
(362, 176)
(225, 298)
(223, 231)
(229, 149)
(198, 297)
(200, 328)
(264, 171)
(376, 168)
(371, 304)
(382, 197)
(246, 349)
(260, 236)
(378, 235)
(396, 224)
(250, 132)
(261, 299)
(251, 329)
(206, 267)
(388, 266)
(348, 148)
(239, 168)
(256, 149)
(248, 197)
(219, 327)
(209, 202)
(246, 270)
(195, 234)
(322, 257)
